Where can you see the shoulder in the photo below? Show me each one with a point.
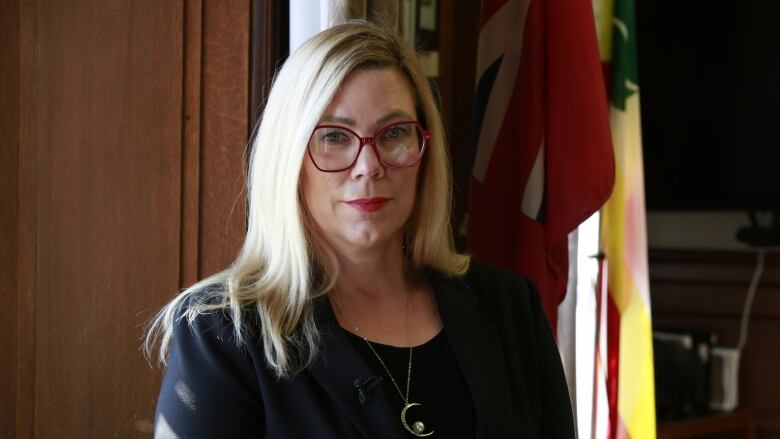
(205, 314)
(209, 377)
(493, 292)
(491, 275)
(496, 285)
(200, 313)
(200, 330)
(510, 303)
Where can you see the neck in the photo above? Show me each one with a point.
(378, 293)
(377, 276)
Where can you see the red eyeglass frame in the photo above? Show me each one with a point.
(370, 141)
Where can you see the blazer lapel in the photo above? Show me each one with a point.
(477, 347)
(337, 369)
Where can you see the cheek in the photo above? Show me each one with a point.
(309, 185)
(410, 191)
(316, 190)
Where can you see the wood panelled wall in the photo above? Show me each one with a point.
(224, 131)
(124, 126)
(9, 208)
(706, 291)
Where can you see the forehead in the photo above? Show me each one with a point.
(370, 94)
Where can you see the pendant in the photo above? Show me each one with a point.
(418, 427)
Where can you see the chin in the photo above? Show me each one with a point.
(370, 238)
(366, 240)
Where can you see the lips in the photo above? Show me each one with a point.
(368, 204)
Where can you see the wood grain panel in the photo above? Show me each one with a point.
(190, 157)
(707, 290)
(26, 297)
(224, 128)
(712, 266)
(108, 117)
(9, 207)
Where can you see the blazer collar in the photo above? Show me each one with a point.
(477, 345)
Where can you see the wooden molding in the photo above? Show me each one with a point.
(458, 38)
(26, 297)
(190, 148)
(269, 46)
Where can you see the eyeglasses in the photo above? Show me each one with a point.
(335, 148)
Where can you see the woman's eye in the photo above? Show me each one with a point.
(395, 132)
(334, 137)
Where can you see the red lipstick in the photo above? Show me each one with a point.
(368, 204)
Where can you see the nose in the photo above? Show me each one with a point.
(368, 164)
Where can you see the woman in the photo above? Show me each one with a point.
(348, 313)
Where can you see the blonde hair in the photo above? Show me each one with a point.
(283, 266)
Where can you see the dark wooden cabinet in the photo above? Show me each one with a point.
(706, 290)
(739, 424)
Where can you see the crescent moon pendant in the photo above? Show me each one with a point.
(406, 425)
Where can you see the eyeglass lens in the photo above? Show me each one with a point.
(335, 148)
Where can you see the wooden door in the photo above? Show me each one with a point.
(124, 127)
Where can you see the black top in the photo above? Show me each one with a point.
(437, 384)
(493, 322)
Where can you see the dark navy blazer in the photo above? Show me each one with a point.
(493, 320)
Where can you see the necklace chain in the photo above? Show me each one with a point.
(418, 427)
(405, 398)
(408, 372)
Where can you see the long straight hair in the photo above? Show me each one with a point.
(283, 265)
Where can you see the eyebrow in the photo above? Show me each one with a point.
(351, 122)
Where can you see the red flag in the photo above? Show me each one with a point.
(544, 161)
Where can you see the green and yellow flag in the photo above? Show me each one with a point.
(630, 382)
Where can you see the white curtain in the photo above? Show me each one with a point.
(307, 17)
